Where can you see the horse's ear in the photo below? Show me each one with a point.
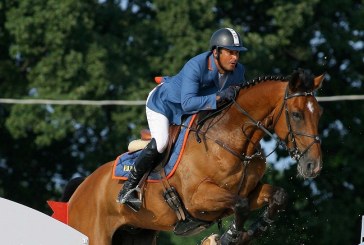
(317, 82)
(294, 80)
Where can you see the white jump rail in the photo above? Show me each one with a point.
(362, 231)
(21, 225)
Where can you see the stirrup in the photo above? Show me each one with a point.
(133, 203)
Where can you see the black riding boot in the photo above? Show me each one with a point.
(145, 162)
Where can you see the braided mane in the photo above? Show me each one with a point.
(260, 79)
(305, 76)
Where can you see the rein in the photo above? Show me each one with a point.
(243, 157)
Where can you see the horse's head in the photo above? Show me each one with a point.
(297, 122)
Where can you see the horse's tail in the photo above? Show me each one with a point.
(71, 188)
(60, 209)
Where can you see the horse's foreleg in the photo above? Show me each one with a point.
(220, 199)
(264, 194)
(233, 234)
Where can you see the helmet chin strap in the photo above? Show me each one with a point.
(217, 56)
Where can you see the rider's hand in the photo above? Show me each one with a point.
(226, 94)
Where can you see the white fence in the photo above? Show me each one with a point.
(137, 102)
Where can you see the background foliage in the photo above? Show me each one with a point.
(108, 49)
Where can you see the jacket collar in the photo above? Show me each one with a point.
(211, 63)
(212, 68)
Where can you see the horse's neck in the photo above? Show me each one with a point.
(261, 102)
(261, 98)
(236, 130)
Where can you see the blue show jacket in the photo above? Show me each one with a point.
(193, 89)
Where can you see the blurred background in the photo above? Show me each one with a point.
(111, 50)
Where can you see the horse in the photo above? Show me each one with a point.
(220, 172)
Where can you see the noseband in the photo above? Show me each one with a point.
(294, 152)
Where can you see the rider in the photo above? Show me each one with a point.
(204, 81)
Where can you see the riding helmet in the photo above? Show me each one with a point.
(226, 38)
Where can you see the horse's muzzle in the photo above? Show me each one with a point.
(309, 168)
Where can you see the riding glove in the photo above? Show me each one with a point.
(226, 94)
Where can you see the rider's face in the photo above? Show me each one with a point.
(228, 59)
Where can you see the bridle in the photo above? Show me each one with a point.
(294, 152)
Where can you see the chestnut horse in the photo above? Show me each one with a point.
(218, 175)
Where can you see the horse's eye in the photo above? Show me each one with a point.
(297, 116)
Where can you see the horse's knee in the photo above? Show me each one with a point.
(279, 198)
(242, 206)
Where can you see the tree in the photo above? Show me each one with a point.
(71, 50)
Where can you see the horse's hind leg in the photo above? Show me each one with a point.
(264, 194)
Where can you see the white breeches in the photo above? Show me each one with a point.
(158, 126)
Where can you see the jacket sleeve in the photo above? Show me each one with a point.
(191, 100)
